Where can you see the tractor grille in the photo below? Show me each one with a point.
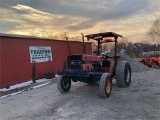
(75, 67)
(75, 57)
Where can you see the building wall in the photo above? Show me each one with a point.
(15, 65)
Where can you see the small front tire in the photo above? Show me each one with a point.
(144, 62)
(105, 85)
(153, 65)
(63, 83)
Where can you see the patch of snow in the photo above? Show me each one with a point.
(12, 94)
(22, 84)
(38, 86)
(56, 76)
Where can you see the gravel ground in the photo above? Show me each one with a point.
(135, 66)
(140, 101)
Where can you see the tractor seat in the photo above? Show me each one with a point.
(106, 63)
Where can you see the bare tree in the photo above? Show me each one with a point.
(63, 35)
(154, 32)
(152, 37)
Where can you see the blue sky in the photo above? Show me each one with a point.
(56, 18)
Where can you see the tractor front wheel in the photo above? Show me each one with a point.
(105, 85)
(153, 65)
(63, 83)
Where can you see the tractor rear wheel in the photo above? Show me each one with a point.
(105, 85)
(144, 62)
(123, 74)
(63, 83)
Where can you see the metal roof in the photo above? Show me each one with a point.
(34, 37)
(20, 36)
(98, 36)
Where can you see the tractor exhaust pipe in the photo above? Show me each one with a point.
(115, 54)
(68, 47)
(83, 46)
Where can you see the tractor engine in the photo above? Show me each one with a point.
(84, 62)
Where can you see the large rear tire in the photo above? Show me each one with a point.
(63, 83)
(144, 62)
(123, 74)
(105, 85)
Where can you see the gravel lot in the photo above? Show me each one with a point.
(140, 101)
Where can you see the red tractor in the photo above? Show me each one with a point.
(90, 69)
(151, 61)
